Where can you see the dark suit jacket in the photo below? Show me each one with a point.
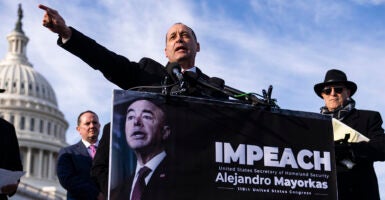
(9, 149)
(99, 170)
(125, 74)
(159, 186)
(73, 170)
(361, 181)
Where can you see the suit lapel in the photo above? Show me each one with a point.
(81, 148)
(158, 182)
(160, 173)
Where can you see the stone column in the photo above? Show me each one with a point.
(40, 163)
(50, 166)
(28, 162)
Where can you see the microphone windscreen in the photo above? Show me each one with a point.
(170, 68)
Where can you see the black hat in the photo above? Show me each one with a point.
(332, 77)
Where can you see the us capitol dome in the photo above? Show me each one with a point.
(30, 104)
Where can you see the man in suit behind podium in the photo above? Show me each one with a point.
(181, 47)
(146, 131)
(360, 181)
(75, 161)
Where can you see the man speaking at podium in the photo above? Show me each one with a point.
(181, 48)
(359, 181)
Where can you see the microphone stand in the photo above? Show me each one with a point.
(183, 82)
(237, 94)
(252, 98)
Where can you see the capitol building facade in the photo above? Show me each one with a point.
(30, 104)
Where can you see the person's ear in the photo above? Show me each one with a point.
(165, 52)
(348, 92)
(166, 132)
(198, 47)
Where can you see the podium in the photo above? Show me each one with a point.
(229, 150)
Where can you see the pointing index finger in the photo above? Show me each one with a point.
(48, 10)
(43, 7)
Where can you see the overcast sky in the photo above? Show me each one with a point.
(253, 44)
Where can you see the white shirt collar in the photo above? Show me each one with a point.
(152, 164)
(87, 144)
(192, 69)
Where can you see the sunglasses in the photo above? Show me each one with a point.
(337, 90)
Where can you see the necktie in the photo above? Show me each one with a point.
(93, 151)
(140, 183)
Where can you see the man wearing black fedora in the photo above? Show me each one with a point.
(360, 181)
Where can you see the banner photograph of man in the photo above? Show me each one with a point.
(145, 131)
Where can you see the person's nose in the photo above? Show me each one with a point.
(179, 38)
(137, 121)
(333, 92)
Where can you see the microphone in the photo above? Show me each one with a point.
(269, 94)
(214, 87)
(217, 84)
(174, 70)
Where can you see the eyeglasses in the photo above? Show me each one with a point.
(337, 90)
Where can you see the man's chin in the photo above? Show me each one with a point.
(137, 145)
(181, 57)
(333, 108)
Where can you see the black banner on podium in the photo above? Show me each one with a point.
(228, 150)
